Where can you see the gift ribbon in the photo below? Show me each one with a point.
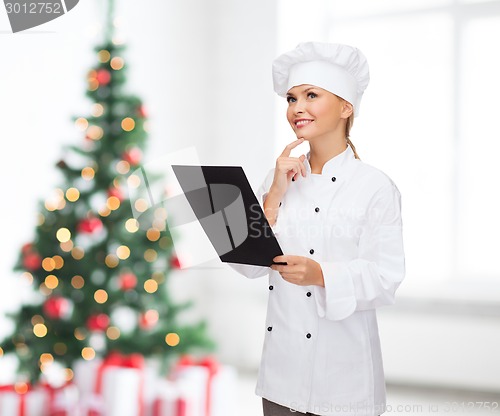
(22, 396)
(116, 359)
(180, 407)
(211, 365)
(55, 408)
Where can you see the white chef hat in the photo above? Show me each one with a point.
(340, 69)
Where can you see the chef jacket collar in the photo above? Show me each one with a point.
(335, 164)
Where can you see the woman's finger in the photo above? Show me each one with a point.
(288, 149)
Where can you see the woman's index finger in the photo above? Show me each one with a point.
(288, 149)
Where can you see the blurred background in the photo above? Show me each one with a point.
(429, 119)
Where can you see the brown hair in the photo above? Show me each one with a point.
(348, 126)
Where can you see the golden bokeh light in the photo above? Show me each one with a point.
(40, 219)
(95, 132)
(72, 194)
(104, 211)
(134, 181)
(103, 55)
(48, 264)
(113, 203)
(40, 330)
(1, 352)
(28, 276)
(123, 167)
(141, 205)
(159, 277)
(93, 84)
(59, 261)
(117, 63)
(97, 110)
(128, 124)
(100, 296)
(68, 372)
(63, 235)
(153, 234)
(80, 334)
(51, 281)
(78, 253)
(172, 339)
(37, 319)
(151, 286)
(111, 261)
(66, 246)
(150, 255)
(88, 353)
(46, 358)
(123, 252)
(44, 289)
(132, 225)
(113, 333)
(60, 348)
(21, 387)
(81, 123)
(88, 173)
(77, 282)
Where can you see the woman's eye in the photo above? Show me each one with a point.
(290, 99)
(312, 95)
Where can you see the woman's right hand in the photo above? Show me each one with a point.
(287, 168)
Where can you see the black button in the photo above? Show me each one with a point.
(316, 209)
(269, 328)
(271, 287)
(311, 251)
(334, 178)
(308, 336)
(308, 294)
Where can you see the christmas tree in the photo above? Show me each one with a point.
(99, 274)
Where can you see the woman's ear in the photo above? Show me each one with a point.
(347, 109)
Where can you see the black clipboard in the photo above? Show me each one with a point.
(226, 207)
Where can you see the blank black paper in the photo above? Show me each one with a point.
(227, 209)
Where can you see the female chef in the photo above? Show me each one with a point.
(338, 221)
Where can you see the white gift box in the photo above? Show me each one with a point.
(121, 391)
(195, 384)
(35, 403)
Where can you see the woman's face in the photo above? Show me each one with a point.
(313, 112)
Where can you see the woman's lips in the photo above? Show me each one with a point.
(301, 123)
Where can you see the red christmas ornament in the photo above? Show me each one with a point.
(127, 281)
(89, 225)
(98, 323)
(28, 247)
(175, 262)
(117, 192)
(32, 261)
(57, 307)
(132, 156)
(141, 111)
(148, 319)
(103, 77)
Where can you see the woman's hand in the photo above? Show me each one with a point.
(286, 168)
(300, 270)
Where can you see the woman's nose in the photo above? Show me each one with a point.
(299, 107)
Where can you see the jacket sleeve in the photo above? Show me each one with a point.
(370, 280)
(248, 270)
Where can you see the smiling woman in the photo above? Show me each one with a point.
(338, 222)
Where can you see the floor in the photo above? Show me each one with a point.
(400, 401)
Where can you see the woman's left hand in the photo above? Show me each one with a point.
(300, 270)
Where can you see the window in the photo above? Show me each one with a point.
(428, 119)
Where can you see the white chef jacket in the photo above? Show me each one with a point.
(321, 351)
